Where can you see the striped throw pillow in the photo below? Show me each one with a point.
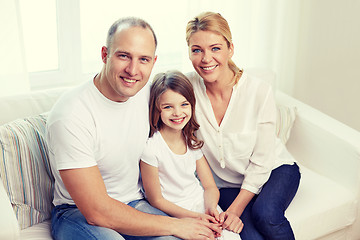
(285, 121)
(25, 169)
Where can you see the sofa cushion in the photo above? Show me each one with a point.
(320, 207)
(285, 121)
(40, 231)
(25, 169)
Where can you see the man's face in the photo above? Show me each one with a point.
(128, 62)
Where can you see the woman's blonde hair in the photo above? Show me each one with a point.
(214, 22)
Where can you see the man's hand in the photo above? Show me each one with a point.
(231, 222)
(196, 229)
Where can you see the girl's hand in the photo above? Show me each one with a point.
(231, 222)
(212, 211)
(208, 218)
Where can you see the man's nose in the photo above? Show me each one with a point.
(132, 68)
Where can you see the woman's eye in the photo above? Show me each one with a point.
(215, 49)
(166, 107)
(196, 50)
(185, 104)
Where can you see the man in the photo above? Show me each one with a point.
(96, 134)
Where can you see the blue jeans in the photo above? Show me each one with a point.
(263, 217)
(68, 223)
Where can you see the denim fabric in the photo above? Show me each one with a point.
(68, 223)
(144, 206)
(263, 217)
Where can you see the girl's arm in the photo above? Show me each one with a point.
(230, 219)
(211, 192)
(151, 184)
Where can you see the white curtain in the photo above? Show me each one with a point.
(264, 35)
(13, 74)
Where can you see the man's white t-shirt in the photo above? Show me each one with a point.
(86, 129)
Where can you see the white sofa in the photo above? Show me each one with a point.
(328, 152)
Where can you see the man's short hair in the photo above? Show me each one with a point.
(129, 22)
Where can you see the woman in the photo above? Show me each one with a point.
(256, 175)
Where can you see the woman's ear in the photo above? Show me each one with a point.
(231, 50)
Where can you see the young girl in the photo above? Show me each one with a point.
(173, 154)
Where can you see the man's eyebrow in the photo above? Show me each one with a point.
(128, 53)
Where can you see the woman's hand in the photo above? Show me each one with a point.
(231, 222)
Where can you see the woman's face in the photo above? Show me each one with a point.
(210, 54)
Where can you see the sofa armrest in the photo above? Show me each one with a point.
(326, 146)
(9, 228)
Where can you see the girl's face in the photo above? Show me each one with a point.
(175, 110)
(210, 54)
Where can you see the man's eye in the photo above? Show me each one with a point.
(123, 56)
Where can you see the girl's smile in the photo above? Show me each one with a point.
(175, 110)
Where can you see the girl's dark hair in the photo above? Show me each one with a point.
(177, 82)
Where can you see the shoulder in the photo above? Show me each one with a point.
(255, 85)
(71, 106)
(151, 149)
(194, 77)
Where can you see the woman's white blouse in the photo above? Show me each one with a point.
(244, 149)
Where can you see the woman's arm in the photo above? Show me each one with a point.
(151, 183)
(231, 217)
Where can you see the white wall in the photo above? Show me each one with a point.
(327, 71)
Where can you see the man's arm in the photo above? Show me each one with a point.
(88, 191)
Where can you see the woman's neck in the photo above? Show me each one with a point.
(221, 88)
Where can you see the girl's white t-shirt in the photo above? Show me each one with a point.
(177, 177)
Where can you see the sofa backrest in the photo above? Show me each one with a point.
(28, 104)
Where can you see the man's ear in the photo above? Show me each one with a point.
(104, 54)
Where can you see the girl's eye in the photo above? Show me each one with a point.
(196, 50)
(166, 107)
(185, 104)
(215, 49)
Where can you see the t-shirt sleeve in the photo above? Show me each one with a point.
(148, 156)
(71, 145)
(198, 154)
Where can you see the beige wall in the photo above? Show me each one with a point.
(327, 64)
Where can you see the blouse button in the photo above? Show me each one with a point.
(222, 164)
